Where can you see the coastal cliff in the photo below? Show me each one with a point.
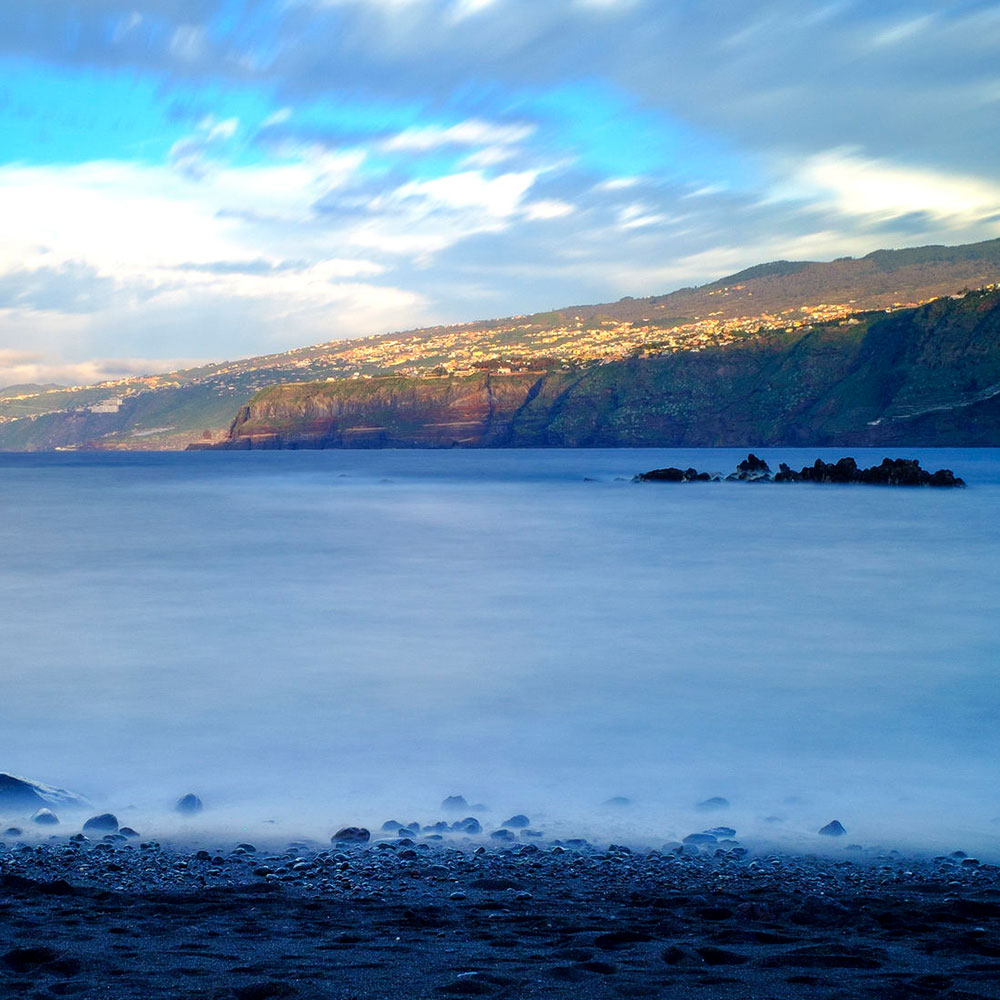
(923, 377)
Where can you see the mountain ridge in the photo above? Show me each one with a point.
(927, 376)
(175, 409)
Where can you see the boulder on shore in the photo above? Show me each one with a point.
(105, 823)
(351, 835)
(189, 804)
(833, 829)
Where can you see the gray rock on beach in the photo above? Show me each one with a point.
(189, 805)
(45, 817)
(833, 829)
(715, 802)
(104, 823)
(518, 822)
(351, 835)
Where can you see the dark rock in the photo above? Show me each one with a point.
(405, 831)
(672, 475)
(391, 825)
(722, 831)
(752, 465)
(700, 838)
(45, 817)
(502, 835)
(891, 472)
(189, 804)
(454, 803)
(104, 823)
(469, 825)
(517, 822)
(351, 835)
(13, 831)
(716, 802)
(128, 832)
(833, 829)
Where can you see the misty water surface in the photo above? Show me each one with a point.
(323, 637)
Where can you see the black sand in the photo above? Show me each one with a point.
(423, 921)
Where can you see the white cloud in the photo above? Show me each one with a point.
(902, 31)
(188, 43)
(223, 130)
(617, 184)
(469, 8)
(498, 197)
(548, 208)
(859, 186)
(472, 132)
(278, 117)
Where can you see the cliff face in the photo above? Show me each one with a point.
(393, 412)
(927, 376)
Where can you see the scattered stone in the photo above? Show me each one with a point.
(13, 831)
(517, 822)
(469, 825)
(391, 826)
(700, 838)
(502, 835)
(189, 804)
(351, 835)
(104, 823)
(45, 817)
(715, 802)
(833, 829)
(454, 803)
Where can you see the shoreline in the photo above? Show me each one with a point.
(522, 920)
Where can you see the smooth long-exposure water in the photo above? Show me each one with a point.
(320, 637)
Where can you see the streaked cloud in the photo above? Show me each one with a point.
(216, 177)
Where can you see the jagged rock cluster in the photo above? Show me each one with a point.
(891, 472)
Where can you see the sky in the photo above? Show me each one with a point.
(193, 180)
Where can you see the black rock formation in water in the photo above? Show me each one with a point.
(891, 472)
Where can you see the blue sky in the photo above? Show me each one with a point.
(199, 179)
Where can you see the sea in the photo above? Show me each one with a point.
(310, 639)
